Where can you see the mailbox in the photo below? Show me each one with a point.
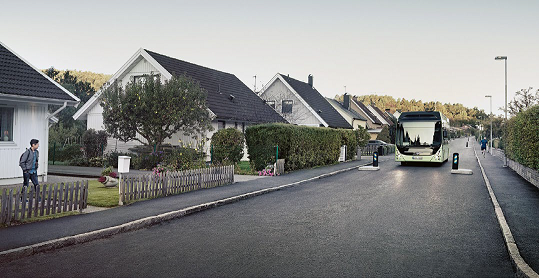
(123, 164)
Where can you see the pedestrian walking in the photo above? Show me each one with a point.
(483, 143)
(29, 163)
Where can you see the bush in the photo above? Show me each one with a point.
(94, 142)
(300, 146)
(522, 137)
(227, 146)
(384, 135)
(362, 136)
(150, 161)
(112, 158)
(96, 161)
(79, 161)
(185, 158)
(66, 153)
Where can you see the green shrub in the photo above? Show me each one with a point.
(227, 146)
(112, 158)
(96, 161)
(65, 153)
(522, 138)
(300, 146)
(79, 161)
(362, 136)
(94, 142)
(184, 159)
(384, 135)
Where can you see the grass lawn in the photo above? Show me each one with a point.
(244, 168)
(101, 196)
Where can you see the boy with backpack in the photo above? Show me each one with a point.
(29, 162)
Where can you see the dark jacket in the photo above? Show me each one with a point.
(27, 158)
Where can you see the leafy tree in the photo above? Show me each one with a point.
(94, 142)
(362, 136)
(155, 110)
(523, 100)
(384, 135)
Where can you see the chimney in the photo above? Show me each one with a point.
(346, 101)
(311, 80)
(388, 111)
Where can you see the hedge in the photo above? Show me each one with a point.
(300, 146)
(227, 146)
(523, 138)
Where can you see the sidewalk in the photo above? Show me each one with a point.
(519, 201)
(23, 235)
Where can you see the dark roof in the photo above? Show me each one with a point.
(368, 112)
(318, 103)
(19, 78)
(383, 114)
(352, 113)
(243, 106)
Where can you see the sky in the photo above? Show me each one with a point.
(424, 50)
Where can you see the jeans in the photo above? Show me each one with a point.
(27, 176)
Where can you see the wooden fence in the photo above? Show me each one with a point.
(17, 204)
(152, 186)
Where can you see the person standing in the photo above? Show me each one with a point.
(483, 142)
(29, 163)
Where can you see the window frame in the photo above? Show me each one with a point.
(274, 106)
(219, 124)
(291, 106)
(13, 127)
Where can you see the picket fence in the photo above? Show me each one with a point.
(17, 204)
(170, 183)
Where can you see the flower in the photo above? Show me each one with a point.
(102, 179)
(113, 175)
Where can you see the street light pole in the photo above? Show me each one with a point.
(489, 96)
(505, 124)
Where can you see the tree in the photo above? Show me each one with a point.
(155, 110)
(384, 135)
(523, 100)
(362, 136)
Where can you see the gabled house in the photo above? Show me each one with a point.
(381, 115)
(353, 118)
(229, 100)
(372, 121)
(300, 103)
(26, 97)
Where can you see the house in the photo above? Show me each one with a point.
(300, 103)
(350, 116)
(384, 118)
(397, 114)
(26, 97)
(229, 100)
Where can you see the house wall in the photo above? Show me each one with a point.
(300, 115)
(30, 121)
(370, 124)
(361, 123)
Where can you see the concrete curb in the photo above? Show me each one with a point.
(17, 253)
(521, 267)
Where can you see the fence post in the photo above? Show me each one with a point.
(276, 153)
(53, 153)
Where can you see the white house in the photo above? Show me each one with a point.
(229, 100)
(300, 103)
(26, 94)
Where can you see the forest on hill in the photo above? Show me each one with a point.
(457, 113)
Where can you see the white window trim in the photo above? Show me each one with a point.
(15, 130)
(292, 110)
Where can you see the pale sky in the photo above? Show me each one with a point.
(427, 50)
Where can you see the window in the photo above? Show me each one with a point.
(6, 124)
(271, 103)
(220, 125)
(287, 106)
(142, 78)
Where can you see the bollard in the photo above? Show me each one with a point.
(375, 159)
(455, 165)
(466, 144)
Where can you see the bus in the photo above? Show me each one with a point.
(422, 137)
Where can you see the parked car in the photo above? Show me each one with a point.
(376, 143)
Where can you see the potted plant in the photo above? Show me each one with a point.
(108, 177)
(6, 135)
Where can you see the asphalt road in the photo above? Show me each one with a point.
(401, 221)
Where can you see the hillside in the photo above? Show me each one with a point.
(96, 80)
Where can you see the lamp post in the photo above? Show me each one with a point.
(505, 122)
(489, 96)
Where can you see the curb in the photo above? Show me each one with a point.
(521, 267)
(20, 252)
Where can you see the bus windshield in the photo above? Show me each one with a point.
(419, 134)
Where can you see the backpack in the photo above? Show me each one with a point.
(20, 159)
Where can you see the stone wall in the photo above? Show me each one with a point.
(527, 173)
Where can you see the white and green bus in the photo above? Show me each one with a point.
(422, 137)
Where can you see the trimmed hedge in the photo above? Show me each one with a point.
(300, 146)
(523, 138)
(227, 146)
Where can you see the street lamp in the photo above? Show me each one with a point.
(504, 132)
(489, 96)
